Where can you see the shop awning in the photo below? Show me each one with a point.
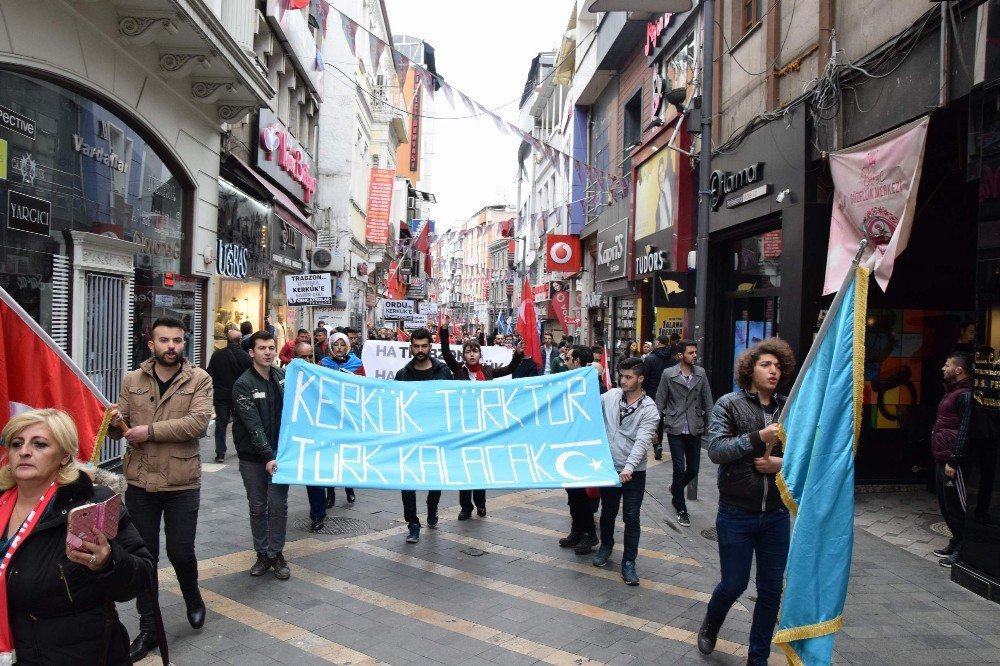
(284, 207)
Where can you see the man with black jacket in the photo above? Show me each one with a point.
(257, 395)
(653, 365)
(225, 367)
(421, 368)
(752, 519)
(949, 448)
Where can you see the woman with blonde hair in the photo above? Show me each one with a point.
(57, 602)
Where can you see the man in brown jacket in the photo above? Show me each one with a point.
(163, 409)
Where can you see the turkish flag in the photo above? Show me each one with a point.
(396, 289)
(527, 325)
(562, 254)
(35, 373)
(298, 4)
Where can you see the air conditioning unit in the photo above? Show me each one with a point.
(324, 261)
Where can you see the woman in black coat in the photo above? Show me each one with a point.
(473, 370)
(61, 600)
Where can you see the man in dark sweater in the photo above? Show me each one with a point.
(421, 368)
(225, 366)
(948, 446)
(257, 395)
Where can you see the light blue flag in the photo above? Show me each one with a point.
(820, 436)
(499, 322)
(339, 429)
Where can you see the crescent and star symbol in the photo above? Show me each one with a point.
(561, 464)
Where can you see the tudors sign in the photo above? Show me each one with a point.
(611, 257)
(28, 214)
(657, 260)
(722, 183)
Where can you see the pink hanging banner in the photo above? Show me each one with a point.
(876, 192)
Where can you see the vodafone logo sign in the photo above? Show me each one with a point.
(563, 254)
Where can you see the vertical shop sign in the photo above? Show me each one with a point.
(379, 204)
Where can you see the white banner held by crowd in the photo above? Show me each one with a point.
(384, 358)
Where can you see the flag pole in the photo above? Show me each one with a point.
(824, 327)
(63, 356)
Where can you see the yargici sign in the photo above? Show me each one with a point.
(283, 158)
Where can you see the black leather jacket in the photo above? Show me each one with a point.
(734, 442)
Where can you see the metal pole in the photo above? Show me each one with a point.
(704, 201)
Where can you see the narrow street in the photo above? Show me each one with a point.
(499, 590)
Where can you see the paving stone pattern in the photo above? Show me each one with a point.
(499, 590)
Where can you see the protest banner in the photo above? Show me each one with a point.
(309, 289)
(397, 309)
(383, 358)
(339, 429)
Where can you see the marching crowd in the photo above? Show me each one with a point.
(60, 598)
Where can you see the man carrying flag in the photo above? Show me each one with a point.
(743, 439)
(819, 432)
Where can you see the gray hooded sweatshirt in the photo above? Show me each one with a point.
(632, 437)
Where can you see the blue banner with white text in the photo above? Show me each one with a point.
(340, 429)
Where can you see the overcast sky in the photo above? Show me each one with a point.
(484, 50)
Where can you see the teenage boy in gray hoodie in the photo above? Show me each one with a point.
(631, 420)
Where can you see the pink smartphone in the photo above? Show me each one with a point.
(102, 515)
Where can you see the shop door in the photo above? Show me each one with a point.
(751, 319)
(105, 350)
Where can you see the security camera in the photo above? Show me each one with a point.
(782, 194)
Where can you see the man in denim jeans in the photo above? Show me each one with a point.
(631, 419)
(752, 521)
(685, 401)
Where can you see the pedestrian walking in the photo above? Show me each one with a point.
(246, 330)
(225, 367)
(630, 419)
(949, 447)
(684, 401)
(41, 623)
(582, 537)
(257, 395)
(320, 340)
(338, 357)
(421, 368)
(472, 370)
(752, 522)
(163, 410)
(654, 363)
(287, 352)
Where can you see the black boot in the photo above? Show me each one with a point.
(571, 539)
(140, 647)
(331, 497)
(707, 636)
(195, 608)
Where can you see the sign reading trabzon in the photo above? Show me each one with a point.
(396, 310)
(310, 289)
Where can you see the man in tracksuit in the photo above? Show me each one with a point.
(752, 520)
(421, 368)
(631, 419)
(257, 396)
(948, 446)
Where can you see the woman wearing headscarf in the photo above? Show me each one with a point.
(340, 357)
(473, 370)
(57, 601)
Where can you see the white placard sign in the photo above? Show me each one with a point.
(396, 310)
(384, 358)
(428, 308)
(309, 289)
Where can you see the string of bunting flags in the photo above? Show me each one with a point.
(617, 187)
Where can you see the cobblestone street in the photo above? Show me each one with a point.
(499, 590)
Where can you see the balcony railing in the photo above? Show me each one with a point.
(387, 102)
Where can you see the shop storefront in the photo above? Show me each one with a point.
(96, 226)
(616, 298)
(242, 261)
